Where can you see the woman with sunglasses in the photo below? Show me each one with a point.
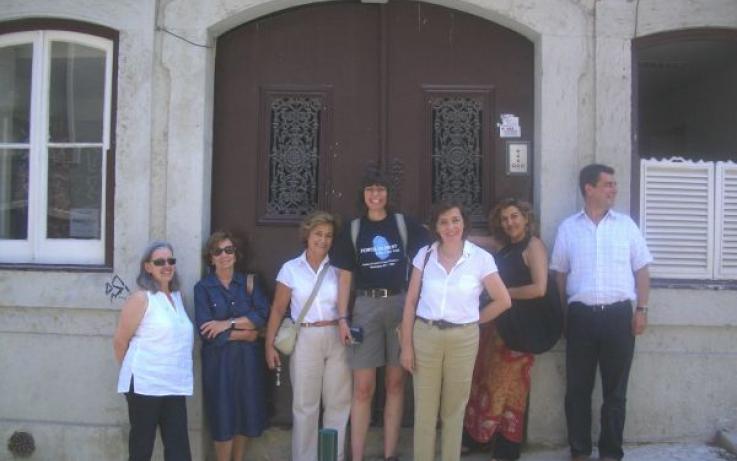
(153, 344)
(229, 311)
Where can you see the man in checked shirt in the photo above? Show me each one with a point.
(601, 264)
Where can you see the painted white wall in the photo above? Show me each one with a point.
(55, 328)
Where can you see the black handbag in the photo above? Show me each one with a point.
(532, 325)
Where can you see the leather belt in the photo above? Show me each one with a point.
(378, 292)
(602, 307)
(321, 323)
(443, 324)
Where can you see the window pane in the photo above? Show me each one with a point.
(13, 194)
(76, 95)
(15, 92)
(75, 193)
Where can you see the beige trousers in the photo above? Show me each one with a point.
(319, 371)
(444, 361)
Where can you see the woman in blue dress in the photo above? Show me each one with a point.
(229, 311)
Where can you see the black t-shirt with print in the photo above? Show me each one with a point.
(381, 262)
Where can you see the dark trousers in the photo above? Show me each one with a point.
(145, 414)
(600, 337)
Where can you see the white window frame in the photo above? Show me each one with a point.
(37, 248)
(688, 216)
(725, 266)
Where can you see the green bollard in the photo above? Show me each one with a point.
(327, 445)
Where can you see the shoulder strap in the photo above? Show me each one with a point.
(402, 227)
(249, 284)
(355, 228)
(308, 303)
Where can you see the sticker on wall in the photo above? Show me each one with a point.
(509, 126)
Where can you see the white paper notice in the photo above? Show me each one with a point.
(509, 126)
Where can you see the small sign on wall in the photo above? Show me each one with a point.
(518, 157)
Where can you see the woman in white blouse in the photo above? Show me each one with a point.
(440, 333)
(153, 344)
(318, 367)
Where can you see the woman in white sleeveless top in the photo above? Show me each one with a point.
(153, 343)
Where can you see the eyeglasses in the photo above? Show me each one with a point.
(230, 249)
(161, 261)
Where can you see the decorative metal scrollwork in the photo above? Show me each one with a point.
(294, 156)
(456, 152)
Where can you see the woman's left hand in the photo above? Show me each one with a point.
(214, 327)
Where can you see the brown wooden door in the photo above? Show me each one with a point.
(306, 98)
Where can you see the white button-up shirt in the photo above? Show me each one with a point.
(453, 296)
(297, 274)
(599, 260)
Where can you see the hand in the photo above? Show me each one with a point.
(272, 357)
(250, 335)
(344, 330)
(214, 327)
(407, 359)
(639, 323)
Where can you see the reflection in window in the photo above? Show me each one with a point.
(77, 91)
(15, 97)
(13, 194)
(75, 179)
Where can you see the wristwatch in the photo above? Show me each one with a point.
(232, 324)
(642, 309)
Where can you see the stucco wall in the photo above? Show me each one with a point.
(58, 372)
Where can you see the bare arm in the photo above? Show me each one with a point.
(408, 320)
(501, 300)
(642, 287)
(345, 280)
(278, 309)
(536, 258)
(131, 315)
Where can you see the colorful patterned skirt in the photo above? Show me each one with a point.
(501, 383)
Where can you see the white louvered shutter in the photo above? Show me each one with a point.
(677, 217)
(726, 221)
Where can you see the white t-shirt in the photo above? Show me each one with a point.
(297, 274)
(159, 355)
(453, 296)
(599, 259)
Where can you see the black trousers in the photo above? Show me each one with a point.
(146, 413)
(603, 338)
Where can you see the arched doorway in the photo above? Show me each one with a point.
(306, 98)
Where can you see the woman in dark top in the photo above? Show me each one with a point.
(501, 379)
(229, 310)
(372, 253)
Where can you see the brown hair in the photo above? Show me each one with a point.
(314, 219)
(214, 241)
(495, 218)
(444, 206)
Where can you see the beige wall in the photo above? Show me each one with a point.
(58, 374)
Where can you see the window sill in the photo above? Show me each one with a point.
(94, 268)
(694, 284)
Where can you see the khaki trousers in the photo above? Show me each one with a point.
(319, 371)
(444, 361)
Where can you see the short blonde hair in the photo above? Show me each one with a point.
(314, 219)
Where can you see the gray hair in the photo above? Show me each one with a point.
(144, 279)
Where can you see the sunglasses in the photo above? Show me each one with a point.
(161, 261)
(230, 249)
